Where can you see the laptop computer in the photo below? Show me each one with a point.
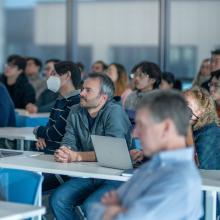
(9, 153)
(112, 152)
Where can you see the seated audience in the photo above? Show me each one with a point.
(99, 67)
(205, 129)
(47, 98)
(215, 60)
(214, 88)
(147, 77)
(21, 91)
(32, 71)
(214, 66)
(119, 77)
(167, 80)
(65, 79)
(203, 74)
(99, 114)
(168, 186)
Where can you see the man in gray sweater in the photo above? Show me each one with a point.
(97, 114)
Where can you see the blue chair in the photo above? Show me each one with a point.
(26, 121)
(20, 186)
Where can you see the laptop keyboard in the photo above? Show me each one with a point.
(7, 153)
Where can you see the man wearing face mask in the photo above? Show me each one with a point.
(65, 80)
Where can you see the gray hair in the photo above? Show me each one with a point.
(106, 85)
(167, 104)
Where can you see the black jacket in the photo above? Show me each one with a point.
(22, 92)
(7, 116)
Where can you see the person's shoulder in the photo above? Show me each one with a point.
(183, 179)
(75, 108)
(22, 78)
(209, 129)
(74, 96)
(132, 95)
(114, 106)
(23, 82)
(2, 87)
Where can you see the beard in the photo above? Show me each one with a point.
(89, 104)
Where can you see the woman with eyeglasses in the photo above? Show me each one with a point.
(206, 131)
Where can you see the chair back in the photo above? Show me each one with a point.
(20, 186)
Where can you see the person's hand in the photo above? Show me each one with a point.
(66, 155)
(40, 144)
(137, 155)
(31, 108)
(110, 198)
(112, 211)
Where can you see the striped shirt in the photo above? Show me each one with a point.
(54, 131)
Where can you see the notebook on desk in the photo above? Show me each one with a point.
(112, 152)
(8, 153)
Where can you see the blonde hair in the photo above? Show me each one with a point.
(207, 105)
(196, 81)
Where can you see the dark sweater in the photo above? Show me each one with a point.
(54, 131)
(46, 100)
(22, 92)
(207, 143)
(7, 116)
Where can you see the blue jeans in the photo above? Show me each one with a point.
(76, 192)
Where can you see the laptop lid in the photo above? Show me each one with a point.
(112, 152)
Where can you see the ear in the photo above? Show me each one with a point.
(167, 126)
(68, 74)
(104, 98)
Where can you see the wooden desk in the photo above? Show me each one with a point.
(14, 211)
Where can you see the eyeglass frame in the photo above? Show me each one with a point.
(141, 75)
(215, 85)
(193, 114)
(10, 65)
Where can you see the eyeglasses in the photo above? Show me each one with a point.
(9, 65)
(215, 85)
(140, 75)
(193, 114)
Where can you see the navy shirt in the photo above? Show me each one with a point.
(91, 121)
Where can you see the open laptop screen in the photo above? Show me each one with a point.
(112, 152)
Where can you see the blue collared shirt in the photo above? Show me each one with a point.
(167, 187)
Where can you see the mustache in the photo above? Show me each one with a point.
(83, 98)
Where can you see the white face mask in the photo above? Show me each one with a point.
(53, 83)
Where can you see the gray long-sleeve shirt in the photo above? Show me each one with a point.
(111, 120)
